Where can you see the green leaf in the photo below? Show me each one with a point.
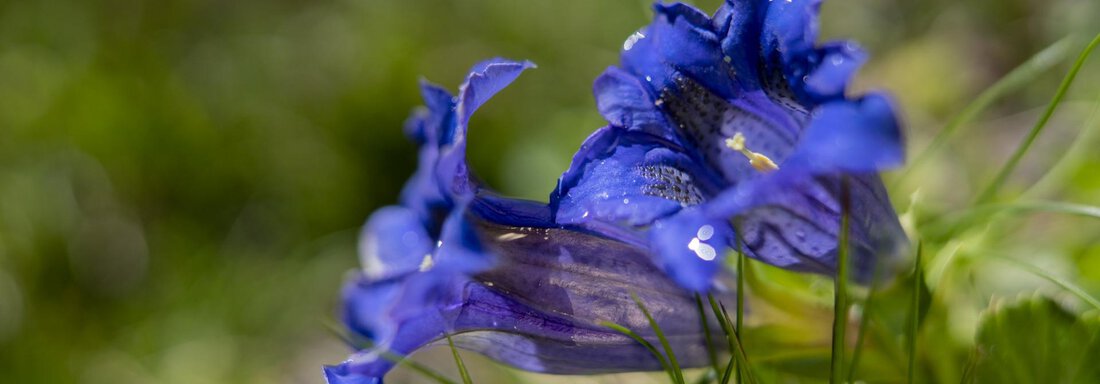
(1034, 340)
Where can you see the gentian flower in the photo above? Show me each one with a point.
(722, 129)
(734, 128)
(497, 274)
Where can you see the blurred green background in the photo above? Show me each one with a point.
(181, 181)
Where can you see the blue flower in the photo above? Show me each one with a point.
(737, 127)
(499, 274)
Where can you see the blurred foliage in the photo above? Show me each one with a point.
(1057, 346)
(181, 181)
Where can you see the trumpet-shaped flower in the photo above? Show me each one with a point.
(498, 274)
(724, 129)
(734, 128)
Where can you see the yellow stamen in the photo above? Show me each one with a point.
(759, 161)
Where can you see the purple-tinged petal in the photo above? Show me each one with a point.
(541, 306)
(507, 211)
(792, 220)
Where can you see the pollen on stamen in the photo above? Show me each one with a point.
(427, 263)
(758, 161)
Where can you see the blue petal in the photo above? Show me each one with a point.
(625, 102)
(393, 242)
(792, 61)
(339, 374)
(426, 127)
(691, 247)
(837, 62)
(485, 80)
(628, 177)
(859, 136)
(428, 124)
(679, 41)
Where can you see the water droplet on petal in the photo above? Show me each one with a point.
(705, 232)
(702, 250)
(631, 40)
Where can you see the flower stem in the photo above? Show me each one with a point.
(840, 294)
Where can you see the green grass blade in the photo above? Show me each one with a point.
(397, 359)
(1068, 286)
(946, 225)
(914, 315)
(711, 353)
(840, 306)
(458, 361)
(865, 319)
(729, 368)
(1080, 149)
(740, 297)
(728, 330)
(739, 357)
(645, 343)
(994, 186)
(740, 285)
(673, 364)
(1015, 79)
(744, 373)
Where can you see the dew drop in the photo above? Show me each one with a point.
(705, 232)
(631, 40)
(702, 250)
